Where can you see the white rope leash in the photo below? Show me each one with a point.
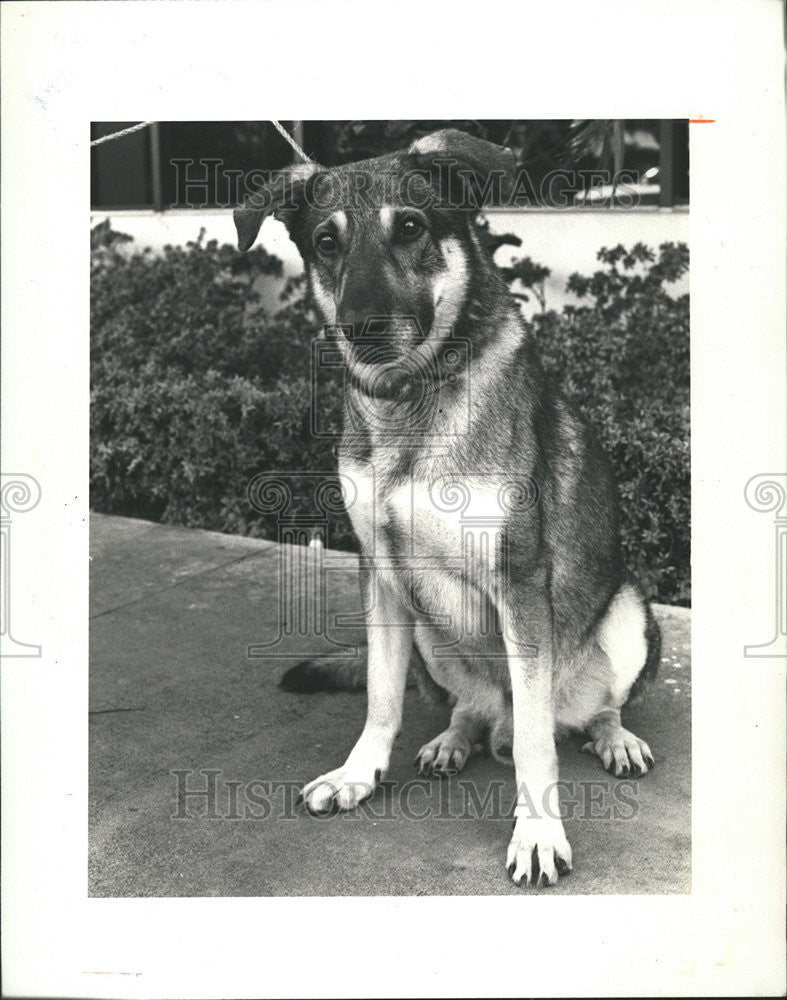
(136, 128)
(119, 135)
(286, 135)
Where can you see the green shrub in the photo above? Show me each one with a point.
(196, 389)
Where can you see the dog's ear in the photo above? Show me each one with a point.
(280, 197)
(493, 167)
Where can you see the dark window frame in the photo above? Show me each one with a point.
(148, 145)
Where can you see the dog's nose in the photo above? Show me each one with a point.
(360, 327)
(377, 327)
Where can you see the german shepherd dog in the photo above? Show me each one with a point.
(486, 512)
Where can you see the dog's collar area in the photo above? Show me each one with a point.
(402, 389)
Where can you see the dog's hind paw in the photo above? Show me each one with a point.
(538, 851)
(622, 753)
(445, 755)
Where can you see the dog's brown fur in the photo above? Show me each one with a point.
(486, 512)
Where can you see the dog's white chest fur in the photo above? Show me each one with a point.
(431, 522)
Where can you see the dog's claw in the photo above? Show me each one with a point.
(538, 853)
(621, 752)
(445, 755)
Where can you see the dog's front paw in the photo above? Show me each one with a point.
(341, 789)
(538, 851)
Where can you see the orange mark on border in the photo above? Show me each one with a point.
(701, 121)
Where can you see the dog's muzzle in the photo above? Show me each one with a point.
(378, 340)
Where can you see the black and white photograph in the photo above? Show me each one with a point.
(393, 499)
(391, 437)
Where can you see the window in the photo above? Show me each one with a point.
(580, 164)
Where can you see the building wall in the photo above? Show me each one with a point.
(567, 242)
(564, 241)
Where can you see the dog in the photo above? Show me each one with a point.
(486, 512)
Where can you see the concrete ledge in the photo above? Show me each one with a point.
(178, 707)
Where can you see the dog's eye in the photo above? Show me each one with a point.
(410, 228)
(326, 244)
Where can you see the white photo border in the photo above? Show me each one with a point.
(65, 65)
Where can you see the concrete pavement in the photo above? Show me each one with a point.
(196, 754)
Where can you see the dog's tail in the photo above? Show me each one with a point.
(326, 674)
(648, 673)
(336, 674)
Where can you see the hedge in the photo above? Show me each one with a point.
(195, 389)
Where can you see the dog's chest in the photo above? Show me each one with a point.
(433, 521)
